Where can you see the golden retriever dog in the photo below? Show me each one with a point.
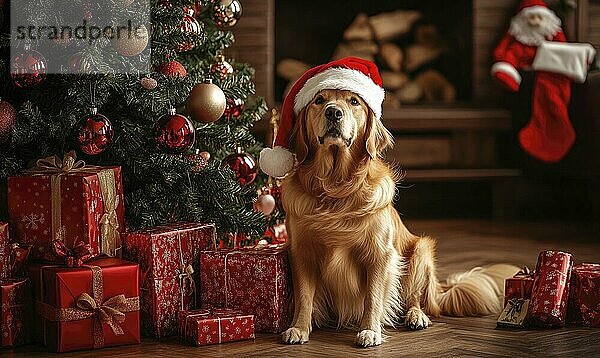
(354, 263)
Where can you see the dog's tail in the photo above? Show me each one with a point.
(476, 292)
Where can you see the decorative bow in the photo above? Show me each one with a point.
(54, 164)
(186, 278)
(525, 271)
(516, 305)
(109, 312)
(75, 257)
(109, 227)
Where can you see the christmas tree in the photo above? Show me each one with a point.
(137, 85)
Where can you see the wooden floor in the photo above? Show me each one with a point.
(461, 245)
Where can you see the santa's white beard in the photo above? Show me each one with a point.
(534, 35)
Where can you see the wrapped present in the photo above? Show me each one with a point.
(203, 327)
(550, 292)
(518, 286)
(584, 297)
(169, 265)
(15, 314)
(253, 280)
(84, 202)
(88, 307)
(514, 313)
(5, 268)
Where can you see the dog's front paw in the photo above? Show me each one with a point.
(294, 336)
(416, 319)
(368, 338)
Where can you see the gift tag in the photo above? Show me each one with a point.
(514, 314)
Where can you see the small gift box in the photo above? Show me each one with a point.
(550, 292)
(169, 265)
(514, 313)
(204, 327)
(88, 307)
(15, 314)
(518, 286)
(254, 280)
(84, 202)
(584, 298)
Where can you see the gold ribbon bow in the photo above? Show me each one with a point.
(109, 312)
(54, 164)
(186, 274)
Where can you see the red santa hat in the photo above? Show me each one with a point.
(350, 73)
(527, 7)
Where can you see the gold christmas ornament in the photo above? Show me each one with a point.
(227, 13)
(206, 102)
(133, 45)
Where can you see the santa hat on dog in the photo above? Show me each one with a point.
(350, 73)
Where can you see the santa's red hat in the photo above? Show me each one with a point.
(350, 73)
(533, 6)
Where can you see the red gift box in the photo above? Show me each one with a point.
(15, 314)
(68, 198)
(518, 286)
(88, 307)
(253, 280)
(550, 292)
(5, 267)
(584, 297)
(169, 265)
(204, 327)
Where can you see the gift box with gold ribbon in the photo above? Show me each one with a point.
(92, 306)
(65, 199)
(169, 265)
(584, 296)
(255, 280)
(203, 327)
(518, 286)
(15, 312)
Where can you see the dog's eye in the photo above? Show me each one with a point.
(354, 101)
(319, 100)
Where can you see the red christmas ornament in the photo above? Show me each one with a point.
(234, 108)
(174, 133)
(94, 133)
(8, 118)
(28, 68)
(78, 64)
(243, 165)
(221, 69)
(172, 68)
(189, 25)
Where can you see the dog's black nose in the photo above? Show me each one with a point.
(333, 113)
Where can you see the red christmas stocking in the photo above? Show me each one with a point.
(549, 134)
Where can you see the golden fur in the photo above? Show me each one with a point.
(354, 263)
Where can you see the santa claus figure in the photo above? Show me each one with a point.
(535, 41)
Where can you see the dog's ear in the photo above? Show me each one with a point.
(299, 138)
(377, 137)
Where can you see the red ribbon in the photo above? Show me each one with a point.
(74, 257)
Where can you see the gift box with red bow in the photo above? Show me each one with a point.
(518, 286)
(15, 312)
(255, 280)
(550, 292)
(203, 327)
(169, 264)
(92, 306)
(83, 202)
(584, 297)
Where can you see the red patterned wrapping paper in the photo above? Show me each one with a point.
(169, 268)
(584, 298)
(15, 314)
(79, 197)
(88, 307)
(550, 292)
(254, 280)
(5, 267)
(203, 327)
(518, 286)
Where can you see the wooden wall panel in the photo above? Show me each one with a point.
(254, 43)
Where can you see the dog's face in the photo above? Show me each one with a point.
(338, 120)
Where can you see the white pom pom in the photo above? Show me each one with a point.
(276, 162)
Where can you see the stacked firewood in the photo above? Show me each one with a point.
(405, 75)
